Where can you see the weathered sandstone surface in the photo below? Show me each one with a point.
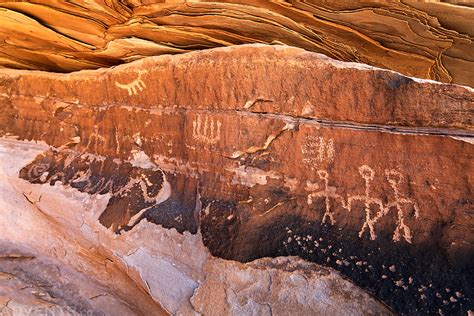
(56, 258)
(426, 39)
(256, 151)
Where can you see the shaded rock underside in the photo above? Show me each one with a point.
(424, 39)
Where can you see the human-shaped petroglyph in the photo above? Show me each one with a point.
(206, 130)
(135, 86)
(95, 139)
(368, 175)
(316, 150)
(394, 178)
(327, 193)
(374, 207)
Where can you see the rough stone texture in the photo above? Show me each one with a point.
(425, 39)
(271, 151)
(280, 286)
(57, 259)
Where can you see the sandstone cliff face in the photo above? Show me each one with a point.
(428, 40)
(266, 151)
(56, 258)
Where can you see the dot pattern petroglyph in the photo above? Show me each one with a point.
(317, 150)
(369, 202)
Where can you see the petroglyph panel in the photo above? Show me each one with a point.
(373, 179)
(370, 202)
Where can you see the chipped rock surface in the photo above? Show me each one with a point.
(57, 258)
(256, 151)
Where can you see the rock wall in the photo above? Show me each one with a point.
(431, 40)
(57, 259)
(270, 151)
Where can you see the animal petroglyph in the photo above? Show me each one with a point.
(206, 130)
(369, 202)
(133, 189)
(317, 150)
(133, 87)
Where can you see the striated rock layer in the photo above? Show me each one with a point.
(425, 39)
(269, 151)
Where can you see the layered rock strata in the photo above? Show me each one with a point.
(425, 39)
(270, 151)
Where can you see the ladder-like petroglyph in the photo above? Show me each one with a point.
(206, 130)
(369, 202)
(134, 86)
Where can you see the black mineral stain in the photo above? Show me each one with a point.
(410, 279)
(397, 81)
(133, 189)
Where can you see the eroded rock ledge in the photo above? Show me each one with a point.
(269, 151)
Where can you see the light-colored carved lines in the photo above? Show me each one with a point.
(133, 87)
(327, 193)
(368, 175)
(317, 150)
(369, 202)
(95, 139)
(206, 130)
(395, 178)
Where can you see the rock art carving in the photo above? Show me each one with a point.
(133, 189)
(133, 87)
(206, 130)
(317, 150)
(95, 139)
(394, 178)
(247, 219)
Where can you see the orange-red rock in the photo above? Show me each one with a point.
(271, 151)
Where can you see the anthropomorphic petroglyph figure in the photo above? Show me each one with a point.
(374, 207)
(133, 87)
(368, 175)
(328, 193)
(394, 178)
(95, 139)
(317, 150)
(206, 130)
